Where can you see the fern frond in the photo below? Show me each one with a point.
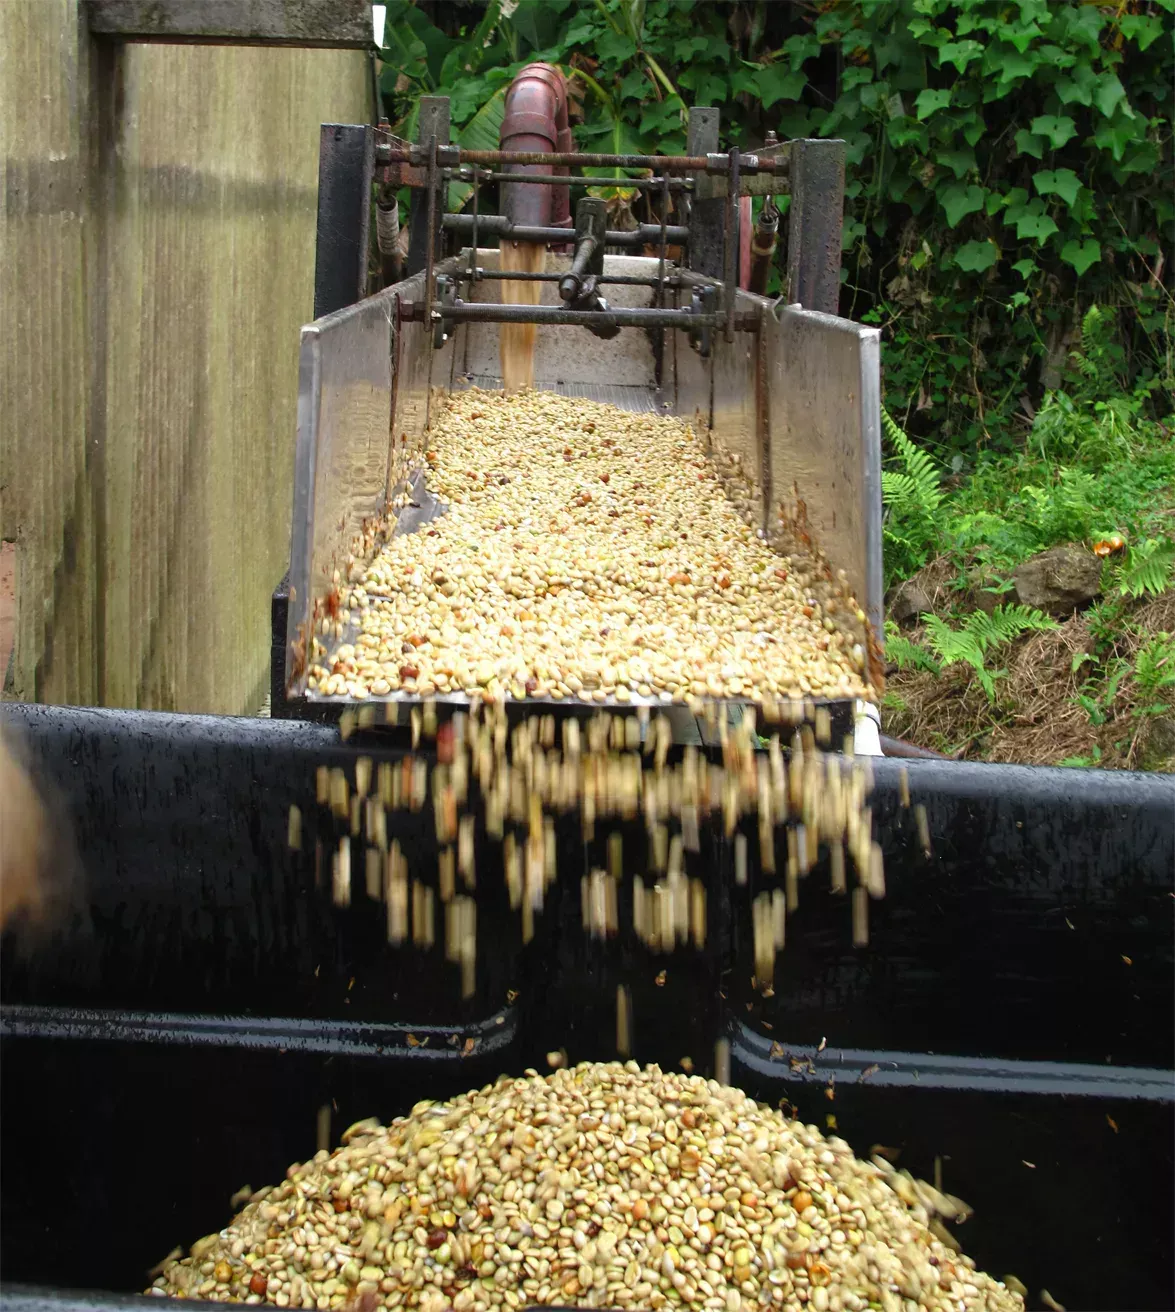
(1154, 666)
(1149, 568)
(907, 654)
(979, 635)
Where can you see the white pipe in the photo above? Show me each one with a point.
(866, 729)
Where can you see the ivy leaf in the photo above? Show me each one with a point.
(1078, 87)
(959, 53)
(930, 102)
(1143, 159)
(960, 162)
(1009, 65)
(1081, 254)
(1109, 94)
(1141, 28)
(977, 256)
(1057, 129)
(1039, 226)
(903, 131)
(1020, 37)
(777, 83)
(973, 127)
(1025, 268)
(1058, 182)
(1117, 134)
(1028, 143)
(797, 48)
(685, 49)
(615, 47)
(958, 201)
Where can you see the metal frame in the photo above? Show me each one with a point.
(346, 167)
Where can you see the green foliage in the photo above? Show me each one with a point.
(1148, 568)
(907, 654)
(1094, 464)
(1008, 164)
(978, 635)
(912, 495)
(1154, 666)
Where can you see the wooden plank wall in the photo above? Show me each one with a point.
(158, 300)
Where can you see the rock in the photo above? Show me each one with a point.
(928, 590)
(1059, 580)
(1159, 742)
(909, 600)
(977, 596)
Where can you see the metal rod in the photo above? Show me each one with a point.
(473, 241)
(660, 339)
(497, 224)
(621, 317)
(620, 279)
(716, 164)
(732, 200)
(432, 218)
(557, 180)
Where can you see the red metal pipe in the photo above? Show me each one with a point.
(745, 228)
(536, 120)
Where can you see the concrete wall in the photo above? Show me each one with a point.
(156, 262)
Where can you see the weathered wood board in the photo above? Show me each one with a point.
(156, 264)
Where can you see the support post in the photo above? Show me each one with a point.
(433, 122)
(815, 223)
(346, 166)
(707, 208)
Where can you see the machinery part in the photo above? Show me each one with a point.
(763, 243)
(498, 225)
(346, 166)
(446, 287)
(565, 180)
(591, 232)
(535, 122)
(712, 163)
(703, 305)
(626, 317)
(745, 230)
(898, 747)
(579, 286)
(617, 279)
(823, 394)
(815, 222)
(387, 235)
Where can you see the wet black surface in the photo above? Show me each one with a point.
(176, 1040)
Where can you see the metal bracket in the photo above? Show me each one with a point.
(704, 300)
(446, 288)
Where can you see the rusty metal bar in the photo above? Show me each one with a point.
(497, 224)
(620, 279)
(618, 317)
(556, 180)
(717, 164)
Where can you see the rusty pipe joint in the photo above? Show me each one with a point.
(763, 243)
(535, 120)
